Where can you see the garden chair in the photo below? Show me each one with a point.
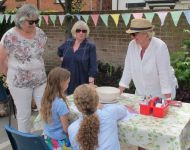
(25, 141)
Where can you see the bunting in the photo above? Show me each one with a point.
(149, 16)
(85, 17)
(126, 17)
(95, 18)
(53, 18)
(115, 18)
(104, 18)
(7, 17)
(61, 18)
(12, 18)
(78, 16)
(137, 15)
(46, 18)
(162, 16)
(187, 15)
(1, 18)
(175, 15)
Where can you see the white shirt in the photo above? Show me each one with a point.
(153, 74)
(108, 135)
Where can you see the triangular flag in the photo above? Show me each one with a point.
(53, 18)
(137, 15)
(126, 18)
(149, 16)
(40, 20)
(162, 15)
(115, 18)
(1, 18)
(61, 19)
(85, 17)
(95, 18)
(78, 16)
(187, 15)
(46, 18)
(175, 16)
(12, 18)
(104, 18)
(7, 17)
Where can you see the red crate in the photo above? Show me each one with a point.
(145, 109)
(160, 111)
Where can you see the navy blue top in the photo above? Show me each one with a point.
(81, 63)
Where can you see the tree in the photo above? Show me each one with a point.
(70, 6)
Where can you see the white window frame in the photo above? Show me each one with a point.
(57, 1)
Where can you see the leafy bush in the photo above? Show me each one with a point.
(180, 60)
(110, 76)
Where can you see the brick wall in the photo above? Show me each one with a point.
(112, 41)
(50, 5)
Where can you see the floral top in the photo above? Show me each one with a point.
(25, 63)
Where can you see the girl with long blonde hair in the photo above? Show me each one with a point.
(54, 109)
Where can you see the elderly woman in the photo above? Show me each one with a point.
(78, 55)
(21, 60)
(148, 63)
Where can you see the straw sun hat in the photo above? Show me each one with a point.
(140, 25)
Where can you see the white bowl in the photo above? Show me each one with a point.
(108, 94)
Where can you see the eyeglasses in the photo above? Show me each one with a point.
(79, 30)
(134, 34)
(31, 22)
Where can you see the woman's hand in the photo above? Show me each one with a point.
(121, 89)
(91, 80)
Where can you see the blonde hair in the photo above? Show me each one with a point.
(80, 25)
(57, 77)
(86, 100)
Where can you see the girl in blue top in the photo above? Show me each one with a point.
(54, 109)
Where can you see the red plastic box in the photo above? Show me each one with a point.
(160, 111)
(150, 109)
(145, 109)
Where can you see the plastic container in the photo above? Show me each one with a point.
(160, 111)
(151, 109)
(145, 109)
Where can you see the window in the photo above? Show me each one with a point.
(57, 1)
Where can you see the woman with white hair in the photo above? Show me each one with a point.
(78, 55)
(21, 60)
(147, 63)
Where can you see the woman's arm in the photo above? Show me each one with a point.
(163, 66)
(3, 60)
(92, 64)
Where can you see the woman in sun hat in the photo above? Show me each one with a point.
(96, 128)
(147, 63)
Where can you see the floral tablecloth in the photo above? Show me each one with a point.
(169, 133)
